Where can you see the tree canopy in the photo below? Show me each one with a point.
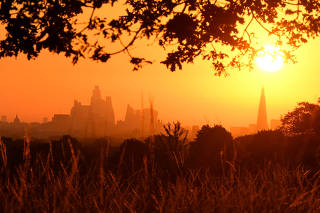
(304, 119)
(214, 30)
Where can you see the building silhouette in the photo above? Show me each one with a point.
(262, 122)
(45, 120)
(3, 118)
(16, 128)
(94, 120)
(16, 120)
(139, 123)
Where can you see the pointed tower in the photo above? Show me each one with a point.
(262, 122)
(96, 95)
(16, 120)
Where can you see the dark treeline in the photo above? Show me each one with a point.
(270, 171)
(170, 154)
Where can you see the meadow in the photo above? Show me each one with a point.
(265, 172)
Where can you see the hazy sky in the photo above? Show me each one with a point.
(39, 88)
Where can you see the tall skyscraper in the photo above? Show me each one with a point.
(262, 122)
(94, 120)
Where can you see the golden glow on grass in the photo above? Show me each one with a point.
(270, 59)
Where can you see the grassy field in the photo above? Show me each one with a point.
(272, 190)
(40, 183)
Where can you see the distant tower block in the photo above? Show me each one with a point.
(45, 120)
(96, 95)
(3, 118)
(262, 122)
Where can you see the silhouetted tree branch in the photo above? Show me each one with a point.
(186, 29)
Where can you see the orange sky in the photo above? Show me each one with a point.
(39, 88)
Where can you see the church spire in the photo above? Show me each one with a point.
(262, 122)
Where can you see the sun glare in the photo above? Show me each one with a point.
(270, 59)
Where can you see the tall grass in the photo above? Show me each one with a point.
(40, 187)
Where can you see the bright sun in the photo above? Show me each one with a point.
(270, 59)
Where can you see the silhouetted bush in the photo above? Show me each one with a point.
(167, 152)
(213, 149)
(132, 154)
(304, 150)
(261, 148)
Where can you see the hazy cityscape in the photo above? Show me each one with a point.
(159, 106)
(97, 120)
